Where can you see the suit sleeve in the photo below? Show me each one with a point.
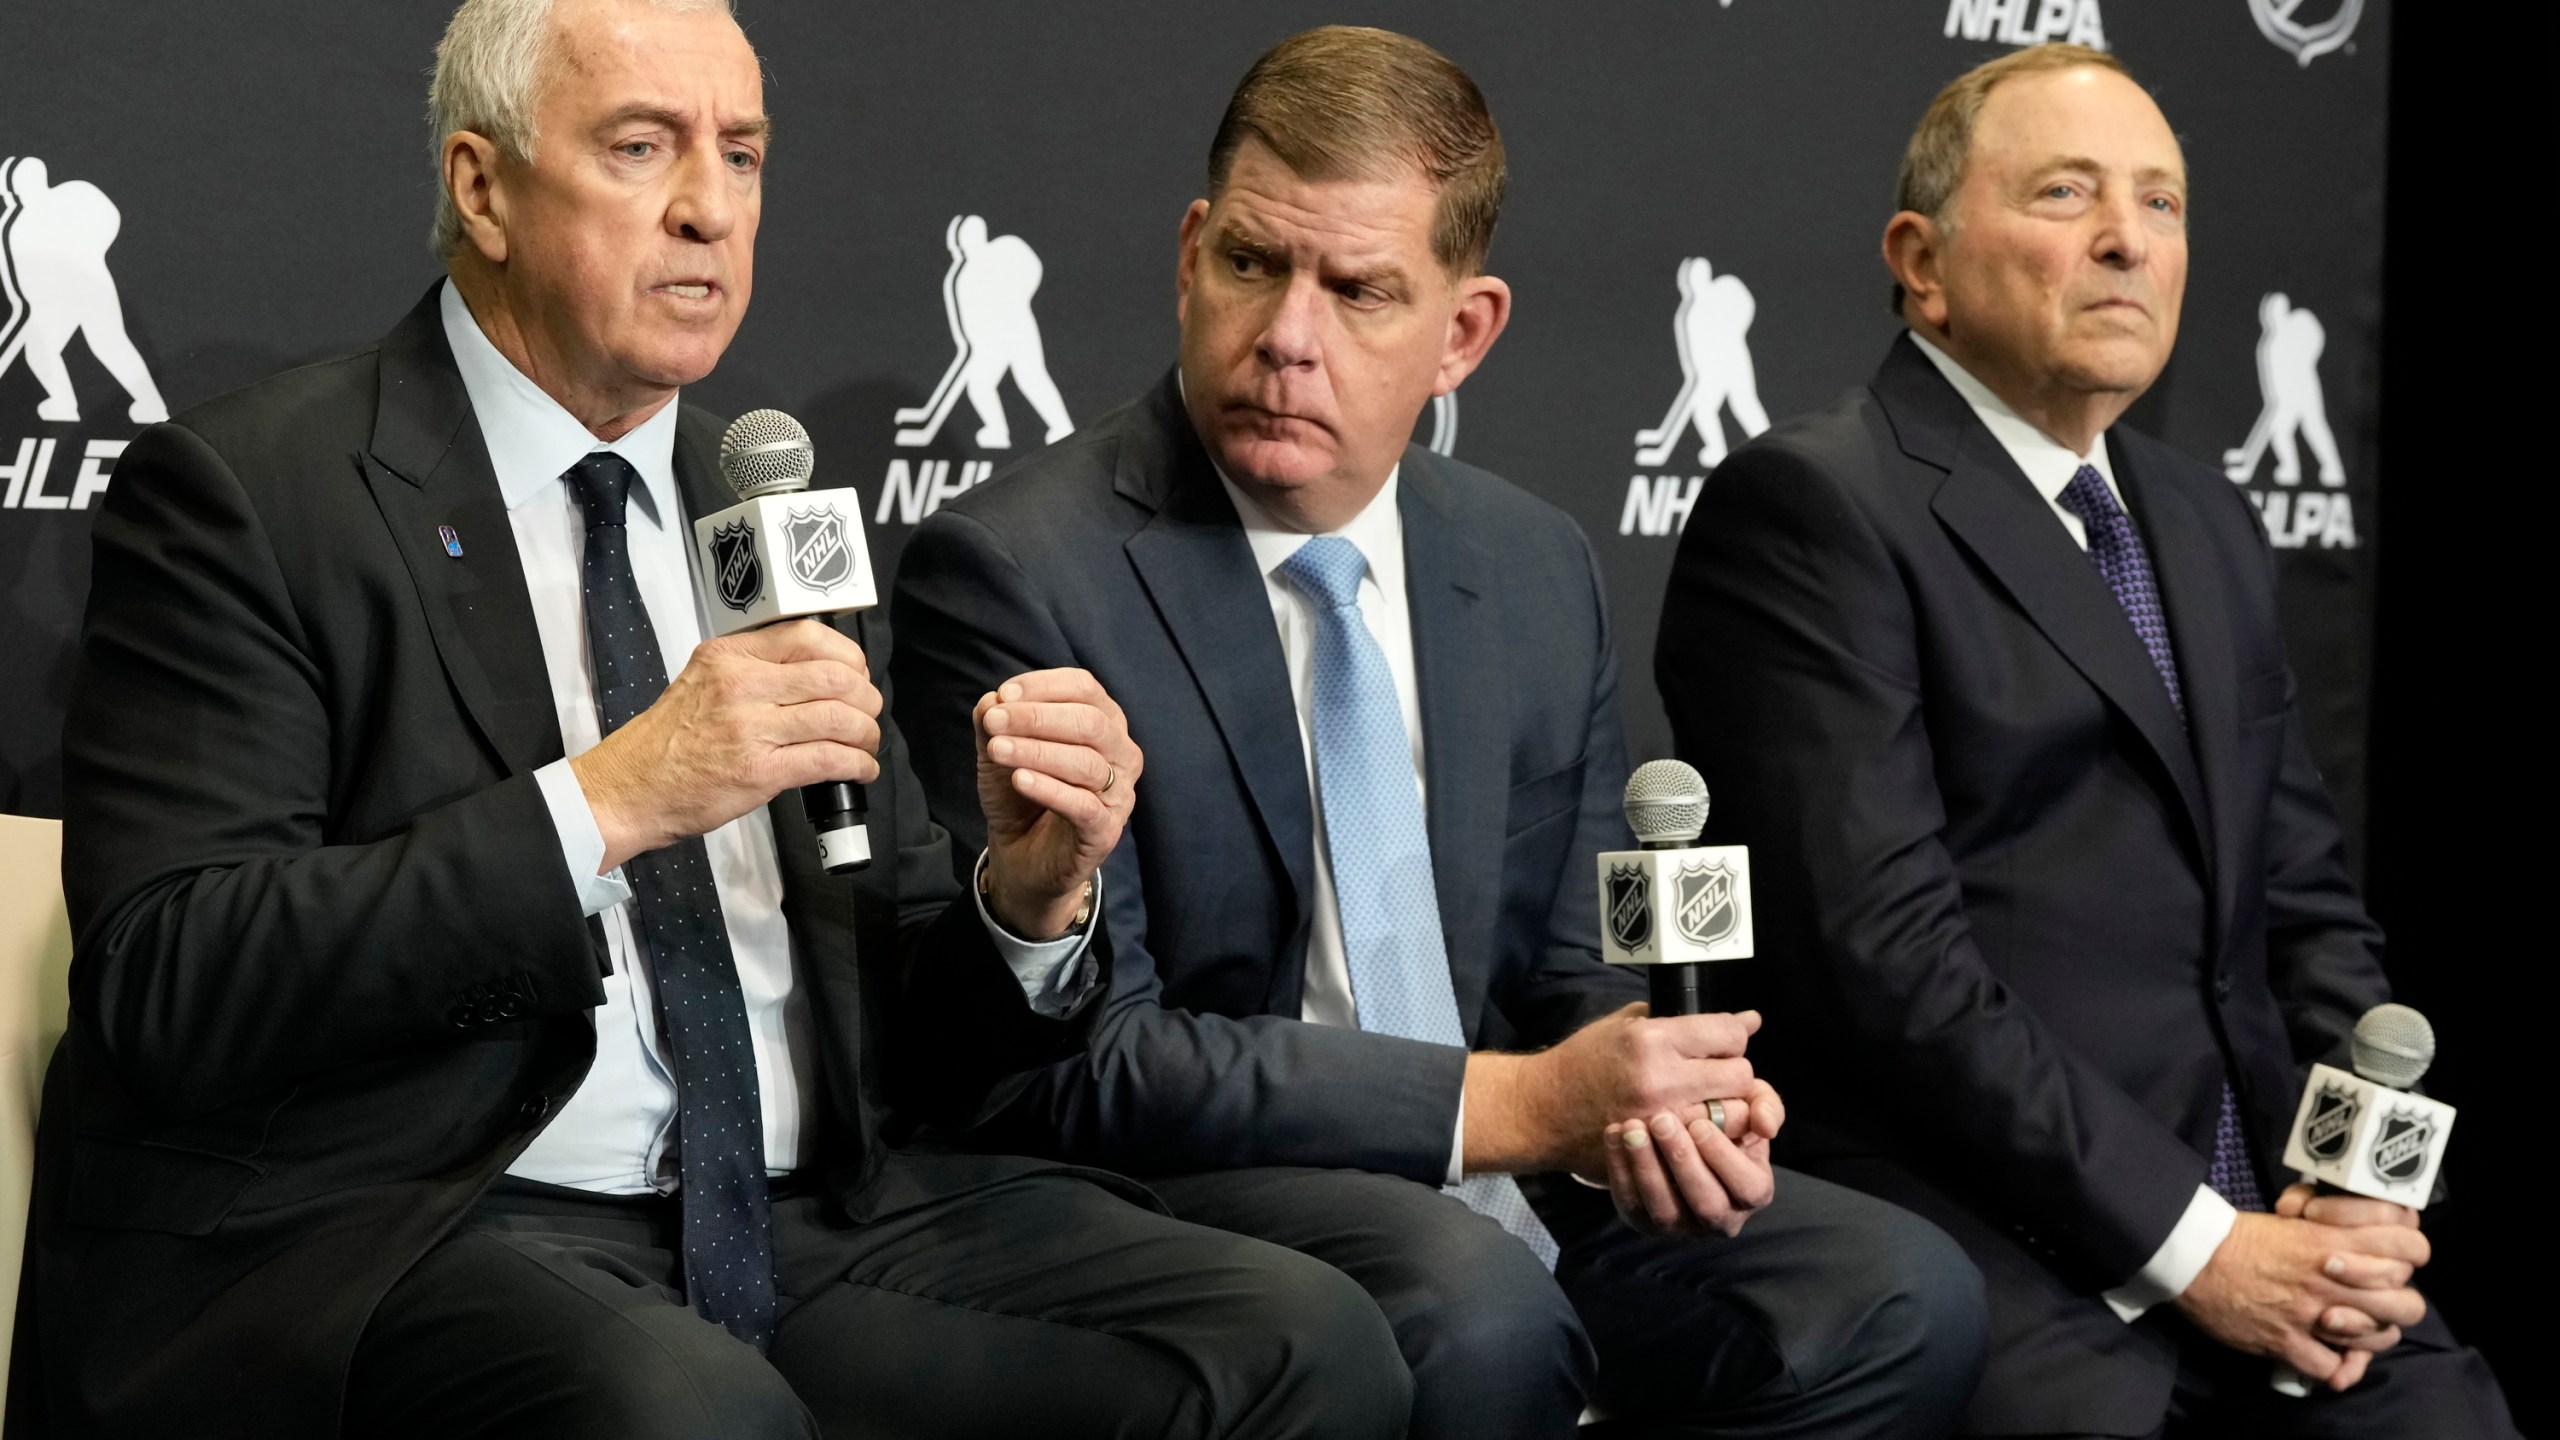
(1159, 1088)
(962, 1038)
(1790, 665)
(2324, 952)
(1567, 984)
(229, 940)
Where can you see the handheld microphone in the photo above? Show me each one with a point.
(782, 553)
(2365, 1133)
(1673, 905)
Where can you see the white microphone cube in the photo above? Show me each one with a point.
(1675, 907)
(2368, 1139)
(779, 557)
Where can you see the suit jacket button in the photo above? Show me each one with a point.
(2222, 989)
(535, 1108)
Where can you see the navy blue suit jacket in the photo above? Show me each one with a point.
(1117, 550)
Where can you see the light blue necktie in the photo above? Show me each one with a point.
(1380, 852)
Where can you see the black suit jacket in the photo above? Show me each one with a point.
(2021, 919)
(330, 974)
(1117, 550)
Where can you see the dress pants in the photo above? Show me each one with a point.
(1043, 1306)
(1832, 1314)
(2427, 1387)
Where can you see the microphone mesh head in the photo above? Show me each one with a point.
(2393, 1046)
(1666, 802)
(765, 452)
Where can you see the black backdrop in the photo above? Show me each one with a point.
(268, 162)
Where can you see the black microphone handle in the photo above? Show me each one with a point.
(835, 806)
(1677, 989)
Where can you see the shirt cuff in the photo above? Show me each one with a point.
(2180, 1258)
(581, 839)
(1051, 972)
(1458, 1143)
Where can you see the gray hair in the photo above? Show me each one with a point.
(490, 70)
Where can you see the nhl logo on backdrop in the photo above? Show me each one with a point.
(2332, 1125)
(1630, 906)
(2400, 1147)
(733, 551)
(2027, 22)
(2307, 29)
(820, 558)
(1703, 902)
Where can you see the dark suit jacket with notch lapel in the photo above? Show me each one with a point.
(1117, 550)
(330, 974)
(2021, 920)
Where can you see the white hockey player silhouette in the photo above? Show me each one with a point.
(2289, 346)
(54, 284)
(987, 296)
(1715, 367)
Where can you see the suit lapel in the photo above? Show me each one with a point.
(1994, 512)
(1200, 572)
(2191, 592)
(1456, 653)
(428, 468)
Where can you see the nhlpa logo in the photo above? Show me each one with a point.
(2400, 1150)
(1710, 330)
(2030, 22)
(1704, 902)
(2292, 403)
(2332, 1123)
(1630, 906)
(733, 550)
(54, 284)
(986, 298)
(2307, 29)
(820, 558)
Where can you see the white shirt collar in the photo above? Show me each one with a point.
(1378, 531)
(2049, 464)
(532, 440)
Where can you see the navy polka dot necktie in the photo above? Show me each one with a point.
(702, 1015)
(2117, 552)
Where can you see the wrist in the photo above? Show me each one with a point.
(1030, 913)
(625, 835)
(1506, 1131)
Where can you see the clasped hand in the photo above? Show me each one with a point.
(1625, 1098)
(772, 709)
(2323, 1284)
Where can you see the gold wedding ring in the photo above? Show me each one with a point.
(1715, 1113)
(1111, 777)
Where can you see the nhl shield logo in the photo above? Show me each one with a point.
(1703, 901)
(2307, 29)
(733, 555)
(2332, 1123)
(2400, 1151)
(1630, 906)
(820, 558)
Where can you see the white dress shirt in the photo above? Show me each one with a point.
(2049, 465)
(613, 1135)
(1378, 533)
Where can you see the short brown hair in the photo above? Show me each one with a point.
(1346, 101)
(1933, 163)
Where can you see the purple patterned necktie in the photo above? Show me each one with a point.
(2117, 552)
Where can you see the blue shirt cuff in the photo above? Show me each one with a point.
(1052, 973)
